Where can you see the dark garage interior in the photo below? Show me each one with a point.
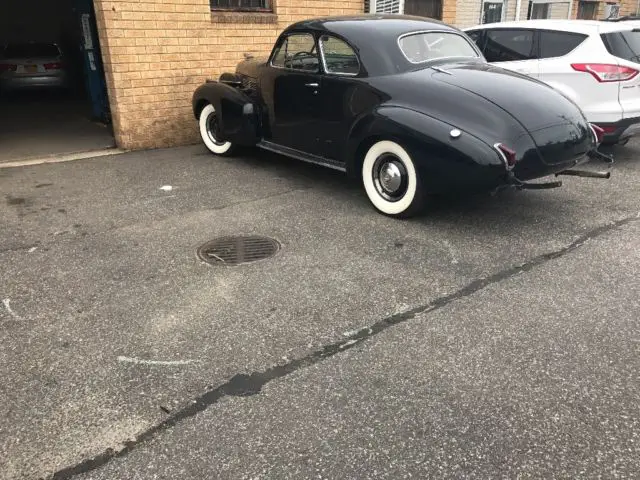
(51, 104)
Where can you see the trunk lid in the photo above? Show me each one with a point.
(556, 124)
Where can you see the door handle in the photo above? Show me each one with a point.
(312, 85)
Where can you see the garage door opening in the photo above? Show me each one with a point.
(53, 98)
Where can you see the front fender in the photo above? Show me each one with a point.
(444, 161)
(238, 116)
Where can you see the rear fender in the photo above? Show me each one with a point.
(442, 159)
(238, 116)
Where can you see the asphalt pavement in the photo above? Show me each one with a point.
(492, 337)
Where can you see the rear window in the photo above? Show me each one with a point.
(31, 50)
(558, 44)
(423, 47)
(624, 44)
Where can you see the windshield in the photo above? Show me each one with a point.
(31, 50)
(426, 46)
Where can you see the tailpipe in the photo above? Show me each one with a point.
(585, 173)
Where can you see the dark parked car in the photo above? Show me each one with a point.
(407, 104)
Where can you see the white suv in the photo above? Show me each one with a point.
(595, 63)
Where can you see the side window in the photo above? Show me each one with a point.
(297, 52)
(339, 57)
(509, 45)
(476, 36)
(557, 44)
(279, 55)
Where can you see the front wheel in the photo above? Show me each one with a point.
(208, 128)
(391, 180)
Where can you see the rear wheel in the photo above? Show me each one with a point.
(208, 128)
(391, 180)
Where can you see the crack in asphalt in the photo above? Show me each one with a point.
(242, 385)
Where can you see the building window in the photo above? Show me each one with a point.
(539, 10)
(491, 12)
(242, 5)
(422, 8)
(587, 10)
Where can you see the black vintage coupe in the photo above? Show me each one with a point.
(407, 104)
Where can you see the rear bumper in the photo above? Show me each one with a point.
(620, 130)
(39, 81)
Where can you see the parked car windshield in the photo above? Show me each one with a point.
(31, 50)
(426, 46)
(624, 44)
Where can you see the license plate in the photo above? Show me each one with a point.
(31, 68)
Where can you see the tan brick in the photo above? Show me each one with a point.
(159, 51)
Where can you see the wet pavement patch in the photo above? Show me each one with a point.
(237, 250)
(15, 200)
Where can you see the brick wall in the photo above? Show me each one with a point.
(559, 11)
(467, 13)
(450, 11)
(156, 52)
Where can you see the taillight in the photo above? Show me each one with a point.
(508, 155)
(603, 72)
(598, 132)
(8, 67)
(53, 66)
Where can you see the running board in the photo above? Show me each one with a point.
(538, 186)
(298, 155)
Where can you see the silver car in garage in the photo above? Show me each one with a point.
(32, 65)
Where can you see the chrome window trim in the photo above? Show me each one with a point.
(472, 44)
(324, 62)
(293, 69)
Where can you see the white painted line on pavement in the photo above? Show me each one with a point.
(140, 361)
(5, 302)
(63, 158)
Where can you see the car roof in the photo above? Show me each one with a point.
(384, 24)
(374, 36)
(577, 26)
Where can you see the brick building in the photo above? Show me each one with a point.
(156, 52)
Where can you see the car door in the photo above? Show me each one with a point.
(344, 96)
(513, 49)
(291, 92)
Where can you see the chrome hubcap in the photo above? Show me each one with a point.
(212, 127)
(390, 177)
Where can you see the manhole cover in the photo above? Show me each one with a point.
(238, 249)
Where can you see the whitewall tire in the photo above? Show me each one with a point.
(207, 127)
(391, 180)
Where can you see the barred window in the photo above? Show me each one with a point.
(242, 5)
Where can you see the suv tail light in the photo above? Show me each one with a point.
(508, 155)
(603, 72)
(8, 67)
(53, 66)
